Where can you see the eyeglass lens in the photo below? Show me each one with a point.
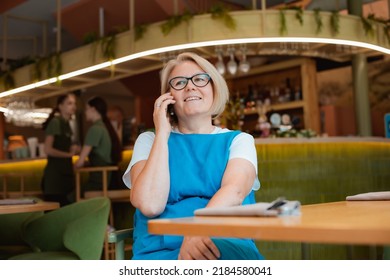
(199, 80)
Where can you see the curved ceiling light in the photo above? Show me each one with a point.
(197, 45)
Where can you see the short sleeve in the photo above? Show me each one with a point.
(53, 127)
(93, 136)
(141, 151)
(243, 146)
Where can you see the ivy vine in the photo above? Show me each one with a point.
(108, 45)
(282, 18)
(139, 30)
(318, 20)
(52, 64)
(368, 26)
(298, 14)
(175, 21)
(335, 23)
(371, 19)
(283, 25)
(7, 79)
(220, 12)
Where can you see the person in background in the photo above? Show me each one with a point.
(188, 163)
(101, 145)
(58, 177)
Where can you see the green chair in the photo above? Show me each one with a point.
(11, 241)
(76, 231)
(386, 252)
(118, 238)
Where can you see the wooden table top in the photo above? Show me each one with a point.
(345, 222)
(24, 208)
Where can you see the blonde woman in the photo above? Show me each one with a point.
(188, 164)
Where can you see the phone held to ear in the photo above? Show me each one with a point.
(171, 113)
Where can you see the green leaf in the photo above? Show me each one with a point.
(174, 21)
(38, 68)
(335, 23)
(108, 44)
(139, 31)
(90, 37)
(298, 14)
(7, 79)
(368, 26)
(220, 12)
(318, 19)
(283, 26)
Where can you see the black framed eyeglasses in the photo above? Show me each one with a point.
(199, 80)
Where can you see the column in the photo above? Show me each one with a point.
(360, 81)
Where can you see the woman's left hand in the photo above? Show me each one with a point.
(198, 248)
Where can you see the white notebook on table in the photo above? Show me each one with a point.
(276, 208)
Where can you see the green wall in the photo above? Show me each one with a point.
(316, 173)
(311, 172)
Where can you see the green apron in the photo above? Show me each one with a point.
(58, 176)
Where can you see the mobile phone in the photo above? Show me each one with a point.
(171, 114)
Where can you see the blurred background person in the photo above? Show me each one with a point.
(58, 177)
(101, 144)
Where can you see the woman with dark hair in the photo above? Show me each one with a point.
(101, 144)
(58, 177)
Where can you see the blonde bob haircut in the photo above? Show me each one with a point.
(220, 88)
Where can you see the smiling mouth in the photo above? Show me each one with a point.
(192, 98)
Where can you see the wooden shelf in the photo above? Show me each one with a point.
(278, 107)
(301, 72)
(288, 105)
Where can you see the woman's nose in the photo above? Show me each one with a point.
(190, 85)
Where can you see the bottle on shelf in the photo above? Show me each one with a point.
(250, 101)
(298, 93)
(289, 93)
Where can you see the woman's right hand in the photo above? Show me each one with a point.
(198, 248)
(160, 114)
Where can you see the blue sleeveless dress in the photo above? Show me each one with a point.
(196, 163)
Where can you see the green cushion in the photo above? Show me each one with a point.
(11, 224)
(79, 228)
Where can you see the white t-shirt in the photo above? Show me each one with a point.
(242, 147)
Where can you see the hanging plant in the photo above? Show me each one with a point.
(335, 23)
(18, 63)
(368, 26)
(174, 21)
(283, 25)
(56, 64)
(90, 37)
(7, 79)
(108, 44)
(298, 14)
(220, 12)
(38, 69)
(139, 31)
(386, 31)
(318, 19)
(385, 24)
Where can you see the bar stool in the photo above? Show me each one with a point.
(6, 193)
(114, 195)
